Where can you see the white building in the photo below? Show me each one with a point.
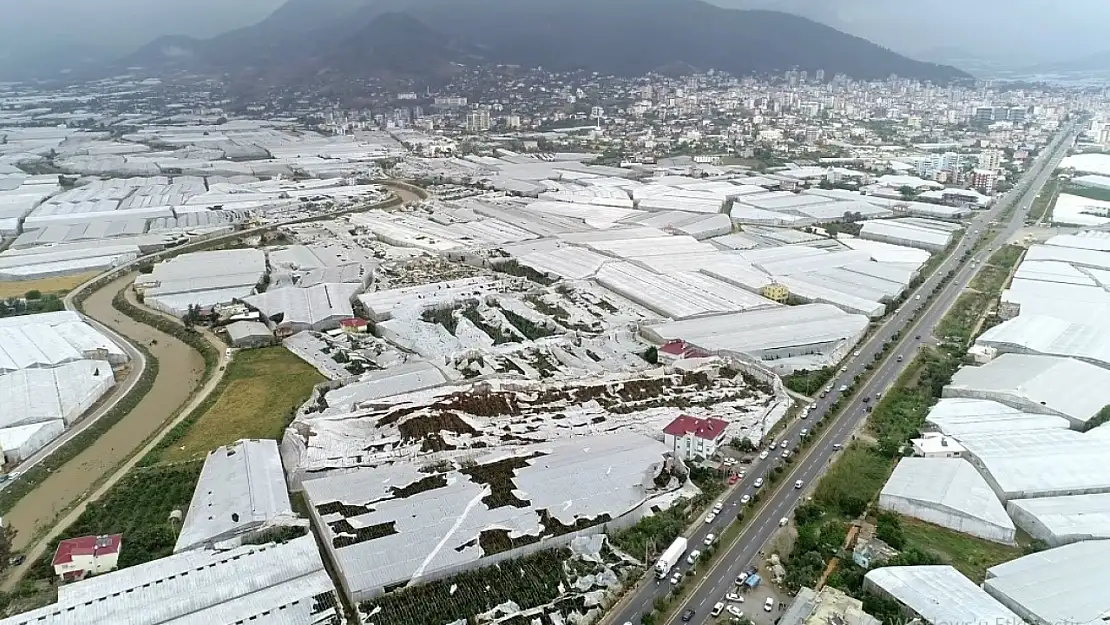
(936, 445)
(691, 437)
(76, 558)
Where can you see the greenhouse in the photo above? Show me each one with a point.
(948, 492)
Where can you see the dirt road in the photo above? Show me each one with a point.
(180, 370)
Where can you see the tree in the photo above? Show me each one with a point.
(744, 444)
(33, 294)
(889, 530)
(652, 355)
(907, 192)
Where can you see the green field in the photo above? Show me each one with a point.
(256, 399)
(970, 555)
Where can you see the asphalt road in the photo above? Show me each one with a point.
(916, 320)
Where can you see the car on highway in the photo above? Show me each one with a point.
(688, 615)
(693, 557)
(843, 388)
(844, 369)
(804, 431)
(735, 598)
(866, 399)
(917, 297)
(785, 444)
(763, 455)
(709, 538)
(769, 604)
(899, 357)
(837, 446)
(720, 505)
(735, 612)
(783, 521)
(798, 484)
(745, 499)
(917, 338)
(676, 578)
(857, 354)
(709, 517)
(785, 454)
(758, 482)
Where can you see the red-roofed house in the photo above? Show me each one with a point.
(77, 558)
(691, 437)
(678, 350)
(354, 325)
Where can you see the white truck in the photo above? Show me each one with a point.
(670, 557)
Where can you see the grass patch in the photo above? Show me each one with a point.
(1044, 200)
(970, 555)
(58, 286)
(853, 481)
(256, 399)
(808, 382)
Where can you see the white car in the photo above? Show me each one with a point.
(741, 578)
(783, 521)
(745, 499)
(717, 508)
(769, 604)
(804, 431)
(676, 578)
(734, 597)
(693, 557)
(857, 354)
(785, 444)
(709, 517)
(717, 609)
(837, 446)
(735, 611)
(798, 484)
(843, 388)
(844, 369)
(709, 538)
(763, 455)
(758, 482)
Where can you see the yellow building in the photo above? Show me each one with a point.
(776, 292)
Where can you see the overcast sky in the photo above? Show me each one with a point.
(1019, 31)
(124, 23)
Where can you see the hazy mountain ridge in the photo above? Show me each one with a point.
(620, 37)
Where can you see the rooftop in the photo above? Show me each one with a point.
(94, 546)
(941, 595)
(241, 487)
(1062, 585)
(709, 429)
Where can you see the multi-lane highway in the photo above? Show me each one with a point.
(916, 320)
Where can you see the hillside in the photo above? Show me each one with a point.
(620, 37)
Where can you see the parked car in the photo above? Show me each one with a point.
(769, 604)
(732, 479)
(735, 612)
(709, 517)
(717, 609)
(741, 578)
(734, 597)
(718, 507)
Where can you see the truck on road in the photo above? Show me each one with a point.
(670, 557)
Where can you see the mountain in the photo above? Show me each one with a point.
(620, 37)
(398, 45)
